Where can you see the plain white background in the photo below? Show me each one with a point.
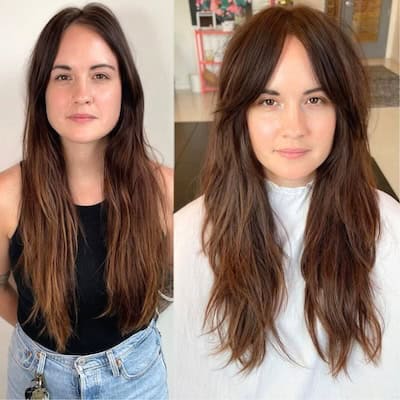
(148, 26)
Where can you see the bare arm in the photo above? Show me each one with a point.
(168, 176)
(9, 200)
(8, 295)
(168, 186)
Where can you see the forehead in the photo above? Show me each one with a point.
(294, 69)
(81, 46)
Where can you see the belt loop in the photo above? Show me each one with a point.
(113, 362)
(42, 362)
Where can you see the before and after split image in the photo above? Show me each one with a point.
(199, 200)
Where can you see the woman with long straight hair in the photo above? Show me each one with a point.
(287, 277)
(85, 220)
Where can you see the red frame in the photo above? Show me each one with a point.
(201, 63)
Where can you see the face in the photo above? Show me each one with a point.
(292, 123)
(83, 96)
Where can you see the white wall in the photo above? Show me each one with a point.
(148, 26)
(185, 47)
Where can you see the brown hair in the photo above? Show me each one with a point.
(239, 233)
(134, 202)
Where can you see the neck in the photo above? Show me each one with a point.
(85, 171)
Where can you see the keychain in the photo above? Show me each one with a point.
(38, 391)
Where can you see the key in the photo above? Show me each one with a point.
(38, 391)
(40, 394)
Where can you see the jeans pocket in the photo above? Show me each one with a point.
(21, 353)
(140, 358)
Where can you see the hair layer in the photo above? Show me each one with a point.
(239, 232)
(133, 192)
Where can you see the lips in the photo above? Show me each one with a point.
(82, 117)
(292, 153)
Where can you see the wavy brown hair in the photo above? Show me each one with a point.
(343, 223)
(133, 192)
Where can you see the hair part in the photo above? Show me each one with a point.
(133, 192)
(239, 232)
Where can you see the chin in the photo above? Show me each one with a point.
(81, 139)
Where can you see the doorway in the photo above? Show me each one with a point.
(368, 20)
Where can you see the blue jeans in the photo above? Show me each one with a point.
(134, 369)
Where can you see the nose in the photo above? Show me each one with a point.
(81, 92)
(294, 124)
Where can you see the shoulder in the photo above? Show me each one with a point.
(188, 225)
(168, 178)
(389, 209)
(192, 213)
(10, 179)
(167, 173)
(387, 267)
(165, 178)
(388, 245)
(388, 204)
(10, 197)
(193, 275)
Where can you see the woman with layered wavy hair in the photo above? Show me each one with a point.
(287, 277)
(85, 220)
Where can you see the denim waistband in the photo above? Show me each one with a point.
(95, 360)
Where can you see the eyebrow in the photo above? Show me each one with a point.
(96, 66)
(275, 93)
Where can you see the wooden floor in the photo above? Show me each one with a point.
(190, 148)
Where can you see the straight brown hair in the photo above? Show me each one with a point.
(343, 222)
(133, 192)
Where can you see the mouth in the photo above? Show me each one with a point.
(82, 117)
(292, 153)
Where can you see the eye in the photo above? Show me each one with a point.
(268, 102)
(100, 76)
(62, 77)
(316, 100)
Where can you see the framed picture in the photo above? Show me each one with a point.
(206, 19)
(224, 10)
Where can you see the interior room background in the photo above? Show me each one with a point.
(185, 51)
(376, 23)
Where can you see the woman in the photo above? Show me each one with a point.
(286, 270)
(84, 222)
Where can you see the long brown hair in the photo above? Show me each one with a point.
(239, 233)
(133, 192)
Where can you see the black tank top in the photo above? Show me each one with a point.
(91, 334)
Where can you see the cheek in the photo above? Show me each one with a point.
(263, 129)
(55, 103)
(111, 100)
(324, 126)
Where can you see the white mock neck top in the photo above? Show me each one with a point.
(200, 375)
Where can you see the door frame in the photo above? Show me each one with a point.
(370, 49)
